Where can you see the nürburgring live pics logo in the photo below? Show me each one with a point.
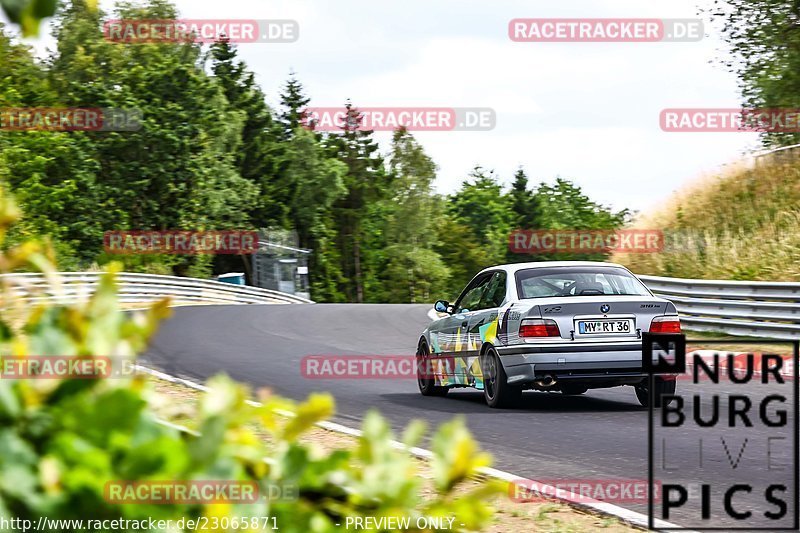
(723, 448)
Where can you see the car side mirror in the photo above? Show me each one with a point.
(442, 306)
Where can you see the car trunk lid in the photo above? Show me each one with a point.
(598, 318)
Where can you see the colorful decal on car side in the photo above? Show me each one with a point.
(489, 332)
(458, 371)
(440, 370)
(472, 342)
(476, 372)
(466, 370)
(435, 342)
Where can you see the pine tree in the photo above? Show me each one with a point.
(525, 212)
(366, 182)
(258, 157)
(294, 102)
(523, 202)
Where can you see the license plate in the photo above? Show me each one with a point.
(605, 327)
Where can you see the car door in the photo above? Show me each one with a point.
(452, 330)
(483, 322)
(483, 328)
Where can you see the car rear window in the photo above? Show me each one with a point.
(577, 281)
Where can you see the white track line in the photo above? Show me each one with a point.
(596, 506)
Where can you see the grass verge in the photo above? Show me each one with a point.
(695, 340)
(742, 223)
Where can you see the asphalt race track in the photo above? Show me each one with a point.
(600, 435)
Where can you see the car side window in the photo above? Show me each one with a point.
(495, 292)
(470, 300)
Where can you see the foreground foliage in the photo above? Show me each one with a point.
(63, 440)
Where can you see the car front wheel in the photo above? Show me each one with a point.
(496, 390)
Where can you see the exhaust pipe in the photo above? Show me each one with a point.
(546, 382)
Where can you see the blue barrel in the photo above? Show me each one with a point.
(235, 278)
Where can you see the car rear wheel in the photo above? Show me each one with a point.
(662, 387)
(425, 380)
(496, 390)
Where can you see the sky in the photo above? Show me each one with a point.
(587, 112)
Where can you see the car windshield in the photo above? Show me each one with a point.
(577, 281)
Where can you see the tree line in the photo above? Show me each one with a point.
(211, 154)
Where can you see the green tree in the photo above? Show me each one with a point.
(412, 271)
(316, 182)
(22, 80)
(294, 102)
(178, 171)
(525, 211)
(474, 233)
(764, 38)
(51, 173)
(486, 211)
(563, 205)
(523, 202)
(366, 183)
(259, 151)
(460, 251)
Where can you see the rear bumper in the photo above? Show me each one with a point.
(615, 363)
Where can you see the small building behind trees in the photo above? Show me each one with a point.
(280, 264)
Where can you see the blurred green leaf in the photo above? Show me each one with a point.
(64, 440)
(29, 13)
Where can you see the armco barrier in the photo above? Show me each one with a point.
(142, 288)
(749, 308)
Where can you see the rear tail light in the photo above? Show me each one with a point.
(665, 324)
(539, 328)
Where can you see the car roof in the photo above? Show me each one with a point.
(514, 267)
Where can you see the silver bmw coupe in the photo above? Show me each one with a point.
(564, 326)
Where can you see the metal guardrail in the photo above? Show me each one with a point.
(748, 308)
(142, 288)
(778, 150)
